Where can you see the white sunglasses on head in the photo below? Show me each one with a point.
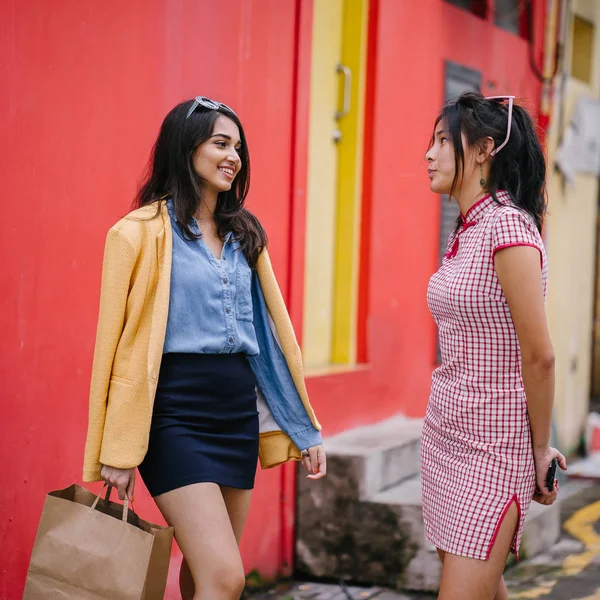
(207, 103)
(510, 111)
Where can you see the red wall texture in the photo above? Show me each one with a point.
(85, 87)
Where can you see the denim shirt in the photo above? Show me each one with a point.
(210, 305)
(199, 321)
(275, 381)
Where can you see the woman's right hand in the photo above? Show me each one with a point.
(122, 479)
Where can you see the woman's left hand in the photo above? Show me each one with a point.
(543, 457)
(315, 462)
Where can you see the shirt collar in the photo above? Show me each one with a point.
(193, 224)
(482, 206)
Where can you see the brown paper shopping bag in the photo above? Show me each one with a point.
(92, 549)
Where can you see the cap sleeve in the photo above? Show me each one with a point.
(515, 228)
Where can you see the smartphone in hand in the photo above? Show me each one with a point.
(551, 475)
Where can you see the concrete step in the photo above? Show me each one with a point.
(376, 541)
(423, 568)
(342, 534)
(378, 456)
(541, 531)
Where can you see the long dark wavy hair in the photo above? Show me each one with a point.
(171, 174)
(519, 168)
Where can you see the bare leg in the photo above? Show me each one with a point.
(205, 535)
(501, 594)
(470, 579)
(238, 504)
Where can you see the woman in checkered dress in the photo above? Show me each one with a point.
(485, 443)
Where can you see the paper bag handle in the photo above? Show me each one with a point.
(107, 498)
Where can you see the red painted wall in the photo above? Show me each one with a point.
(407, 90)
(85, 87)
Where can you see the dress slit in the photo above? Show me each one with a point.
(513, 545)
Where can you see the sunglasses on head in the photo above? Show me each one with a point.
(510, 111)
(208, 103)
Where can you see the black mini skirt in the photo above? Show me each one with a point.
(204, 423)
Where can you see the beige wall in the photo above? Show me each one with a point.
(571, 244)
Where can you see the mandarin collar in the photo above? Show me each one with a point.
(480, 208)
(483, 206)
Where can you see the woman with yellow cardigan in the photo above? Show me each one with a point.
(197, 372)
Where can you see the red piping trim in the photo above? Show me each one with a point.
(475, 205)
(454, 250)
(513, 549)
(503, 246)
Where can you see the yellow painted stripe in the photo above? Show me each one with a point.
(537, 592)
(581, 525)
(322, 184)
(345, 304)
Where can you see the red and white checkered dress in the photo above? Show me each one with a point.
(476, 449)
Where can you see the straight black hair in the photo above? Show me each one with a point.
(171, 174)
(519, 168)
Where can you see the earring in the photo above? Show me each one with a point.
(482, 181)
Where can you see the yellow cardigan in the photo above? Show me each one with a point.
(134, 305)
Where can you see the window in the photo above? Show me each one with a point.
(514, 16)
(583, 43)
(477, 7)
(508, 15)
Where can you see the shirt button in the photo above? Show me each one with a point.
(225, 280)
(228, 310)
(231, 340)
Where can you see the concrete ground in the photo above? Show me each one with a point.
(569, 571)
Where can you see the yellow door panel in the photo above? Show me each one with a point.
(349, 192)
(322, 183)
(335, 159)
